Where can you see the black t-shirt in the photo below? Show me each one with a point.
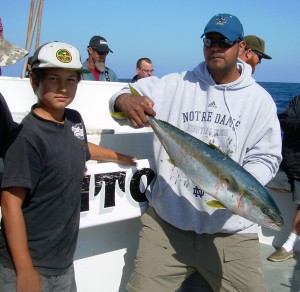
(48, 159)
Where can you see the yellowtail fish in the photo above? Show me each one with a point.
(219, 176)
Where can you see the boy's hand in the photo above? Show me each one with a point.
(29, 280)
(126, 159)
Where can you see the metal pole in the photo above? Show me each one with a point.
(37, 42)
(30, 21)
(28, 45)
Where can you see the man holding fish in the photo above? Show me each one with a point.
(199, 207)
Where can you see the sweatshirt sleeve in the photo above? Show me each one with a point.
(113, 99)
(263, 155)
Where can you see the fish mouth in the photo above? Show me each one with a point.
(275, 226)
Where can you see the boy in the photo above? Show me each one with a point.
(42, 179)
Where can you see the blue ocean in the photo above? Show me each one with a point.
(281, 92)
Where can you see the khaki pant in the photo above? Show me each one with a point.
(167, 256)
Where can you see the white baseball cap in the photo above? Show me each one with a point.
(57, 55)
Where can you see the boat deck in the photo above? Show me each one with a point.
(279, 277)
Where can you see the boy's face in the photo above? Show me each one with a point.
(57, 89)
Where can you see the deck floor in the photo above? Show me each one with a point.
(283, 276)
(279, 277)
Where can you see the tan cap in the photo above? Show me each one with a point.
(256, 44)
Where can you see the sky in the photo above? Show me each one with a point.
(166, 31)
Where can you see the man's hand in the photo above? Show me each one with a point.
(135, 108)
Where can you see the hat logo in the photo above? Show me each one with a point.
(221, 20)
(102, 42)
(63, 56)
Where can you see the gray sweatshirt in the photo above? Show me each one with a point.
(239, 117)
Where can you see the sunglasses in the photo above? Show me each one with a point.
(258, 54)
(223, 43)
(100, 53)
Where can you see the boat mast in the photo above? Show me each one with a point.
(34, 15)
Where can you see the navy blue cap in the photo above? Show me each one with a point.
(226, 24)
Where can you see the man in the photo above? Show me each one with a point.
(98, 50)
(144, 68)
(254, 51)
(220, 103)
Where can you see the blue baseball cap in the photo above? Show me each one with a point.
(226, 24)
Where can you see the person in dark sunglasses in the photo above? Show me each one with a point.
(217, 102)
(98, 50)
(254, 51)
(222, 45)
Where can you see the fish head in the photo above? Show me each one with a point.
(272, 217)
(262, 208)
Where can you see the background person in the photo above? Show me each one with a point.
(9, 55)
(288, 176)
(28, 67)
(144, 68)
(218, 102)
(98, 50)
(42, 179)
(254, 51)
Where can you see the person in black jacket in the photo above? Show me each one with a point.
(288, 176)
(9, 55)
(6, 124)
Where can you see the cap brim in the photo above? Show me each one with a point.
(82, 70)
(9, 53)
(100, 49)
(230, 36)
(265, 56)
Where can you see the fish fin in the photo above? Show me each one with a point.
(118, 115)
(215, 204)
(133, 91)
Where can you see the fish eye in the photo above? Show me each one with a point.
(264, 210)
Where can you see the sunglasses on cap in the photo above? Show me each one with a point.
(223, 43)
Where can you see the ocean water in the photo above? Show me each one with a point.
(281, 92)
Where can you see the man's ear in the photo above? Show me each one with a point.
(242, 46)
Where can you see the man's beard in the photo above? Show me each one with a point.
(100, 66)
